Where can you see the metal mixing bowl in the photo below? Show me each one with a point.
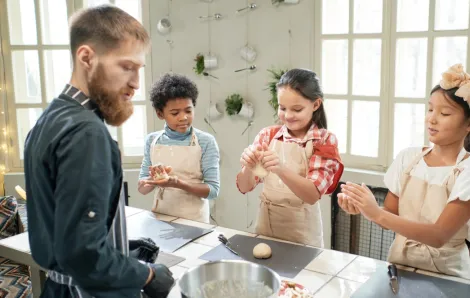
(196, 277)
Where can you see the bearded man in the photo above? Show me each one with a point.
(77, 228)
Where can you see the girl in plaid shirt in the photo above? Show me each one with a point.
(297, 162)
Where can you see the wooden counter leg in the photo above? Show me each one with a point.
(38, 278)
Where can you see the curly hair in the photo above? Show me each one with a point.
(170, 87)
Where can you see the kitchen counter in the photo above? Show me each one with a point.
(331, 274)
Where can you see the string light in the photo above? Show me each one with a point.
(3, 116)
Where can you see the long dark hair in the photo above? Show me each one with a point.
(306, 83)
(450, 94)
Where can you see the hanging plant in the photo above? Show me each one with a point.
(233, 104)
(199, 68)
(276, 76)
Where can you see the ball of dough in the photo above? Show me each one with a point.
(160, 176)
(262, 251)
(260, 171)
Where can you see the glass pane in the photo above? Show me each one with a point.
(368, 16)
(451, 14)
(113, 132)
(365, 128)
(335, 16)
(335, 66)
(410, 68)
(412, 15)
(57, 71)
(447, 52)
(132, 7)
(366, 67)
(22, 22)
(26, 76)
(139, 94)
(337, 111)
(91, 3)
(54, 22)
(134, 131)
(408, 126)
(26, 119)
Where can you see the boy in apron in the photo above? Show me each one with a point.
(302, 161)
(188, 155)
(428, 205)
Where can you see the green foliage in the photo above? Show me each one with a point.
(199, 68)
(233, 104)
(276, 76)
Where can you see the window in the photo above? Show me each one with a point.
(40, 65)
(378, 61)
(352, 40)
(38, 42)
(428, 36)
(131, 136)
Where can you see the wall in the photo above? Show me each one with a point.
(282, 36)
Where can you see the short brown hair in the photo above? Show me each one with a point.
(104, 27)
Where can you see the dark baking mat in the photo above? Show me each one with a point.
(287, 259)
(168, 260)
(169, 236)
(412, 285)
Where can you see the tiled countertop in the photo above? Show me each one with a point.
(331, 274)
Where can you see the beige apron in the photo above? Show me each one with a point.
(186, 164)
(423, 202)
(282, 214)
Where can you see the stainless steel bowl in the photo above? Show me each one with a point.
(196, 277)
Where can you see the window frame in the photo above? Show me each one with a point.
(354, 161)
(431, 34)
(13, 141)
(387, 92)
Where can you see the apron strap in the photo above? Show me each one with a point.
(416, 160)
(456, 169)
(194, 139)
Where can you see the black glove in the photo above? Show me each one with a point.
(144, 249)
(161, 283)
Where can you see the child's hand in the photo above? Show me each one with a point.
(346, 205)
(169, 181)
(159, 171)
(159, 176)
(250, 156)
(362, 199)
(270, 160)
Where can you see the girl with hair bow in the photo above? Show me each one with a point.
(428, 204)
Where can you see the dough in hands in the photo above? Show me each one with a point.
(164, 175)
(262, 251)
(158, 176)
(260, 171)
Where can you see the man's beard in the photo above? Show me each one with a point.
(114, 109)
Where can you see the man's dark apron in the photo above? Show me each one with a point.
(117, 234)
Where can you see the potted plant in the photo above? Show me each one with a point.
(199, 68)
(204, 62)
(233, 104)
(277, 2)
(276, 76)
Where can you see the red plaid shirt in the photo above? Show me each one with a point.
(321, 170)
